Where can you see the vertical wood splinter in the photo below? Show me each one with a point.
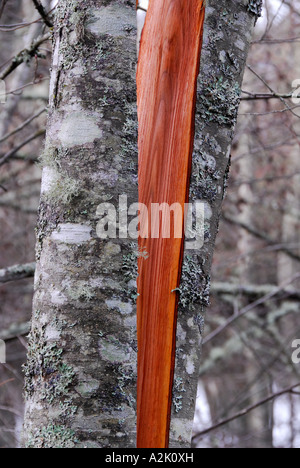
(166, 86)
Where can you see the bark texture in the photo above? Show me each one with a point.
(228, 32)
(166, 92)
(81, 370)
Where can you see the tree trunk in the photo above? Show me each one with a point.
(227, 35)
(81, 371)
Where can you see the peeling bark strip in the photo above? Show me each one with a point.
(166, 83)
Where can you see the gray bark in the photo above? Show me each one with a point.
(81, 370)
(227, 35)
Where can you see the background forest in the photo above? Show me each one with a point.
(254, 314)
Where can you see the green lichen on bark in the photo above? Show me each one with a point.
(51, 436)
(194, 297)
(45, 370)
(219, 101)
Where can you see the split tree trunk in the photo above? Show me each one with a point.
(81, 370)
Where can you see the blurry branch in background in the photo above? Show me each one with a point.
(23, 125)
(290, 390)
(18, 207)
(261, 148)
(262, 236)
(6, 382)
(23, 56)
(17, 272)
(255, 97)
(2, 6)
(271, 178)
(252, 290)
(273, 92)
(25, 158)
(15, 27)
(43, 13)
(277, 41)
(12, 152)
(280, 111)
(291, 6)
(249, 308)
(15, 331)
(27, 85)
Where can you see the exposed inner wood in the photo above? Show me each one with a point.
(166, 84)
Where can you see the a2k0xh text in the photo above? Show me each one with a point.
(153, 457)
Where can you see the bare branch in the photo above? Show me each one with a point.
(17, 272)
(246, 411)
(261, 236)
(2, 6)
(43, 13)
(27, 85)
(23, 125)
(276, 41)
(272, 90)
(15, 27)
(257, 96)
(23, 56)
(249, 308)
(15, 331)
(253, 290)
(11, 153)
(6, 382)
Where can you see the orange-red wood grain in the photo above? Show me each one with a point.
(166, 85)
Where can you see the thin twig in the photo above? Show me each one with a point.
(246, 411)
(272, 90)
(265, 96)
(248, 309)
(276, 41)
(27, 85)
(43, 13)
(260, 235)
(23, 125)
(23, 56)
(253, 290)
(11, 153)
(2, 6)
(15, 27)
(17, 272)
(6, 382)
